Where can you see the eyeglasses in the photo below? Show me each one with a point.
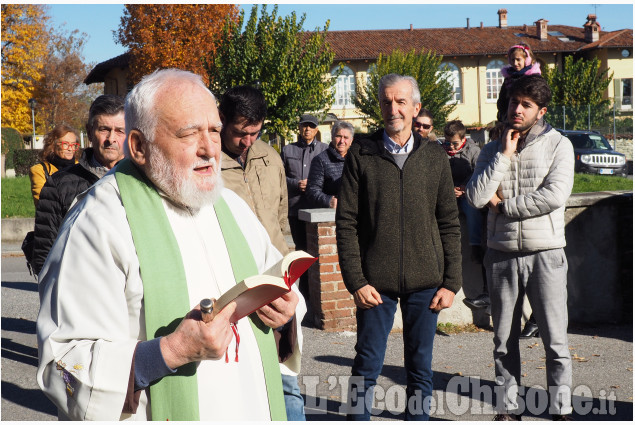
(308, 124)
(425, 126)
(68, 145)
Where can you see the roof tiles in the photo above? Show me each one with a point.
(367, 44)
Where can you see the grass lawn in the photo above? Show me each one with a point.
(16, 197)
(17, 200)
(597, 183)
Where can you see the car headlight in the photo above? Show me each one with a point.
(621, 160)
(585, 159)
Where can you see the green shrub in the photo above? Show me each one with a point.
(24, 159)
(624, 126)
(11, 141)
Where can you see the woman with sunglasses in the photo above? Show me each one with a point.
(61, 150)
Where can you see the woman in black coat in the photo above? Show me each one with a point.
(325, 175)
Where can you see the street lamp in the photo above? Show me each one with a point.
(33, 104)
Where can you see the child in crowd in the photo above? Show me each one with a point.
(463, 153)
(521, 62)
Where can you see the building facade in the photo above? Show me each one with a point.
(475, 56)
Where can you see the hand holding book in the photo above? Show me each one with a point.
(279, 311)
(256, 292)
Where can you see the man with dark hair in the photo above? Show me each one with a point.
(525, 179)
(254, 170)
(399, 240)
(106, 132)
(250, 167)
(422, 124)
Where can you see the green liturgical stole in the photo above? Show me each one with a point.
(244, 265)
(166, 300)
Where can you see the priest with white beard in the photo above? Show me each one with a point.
(120, 332)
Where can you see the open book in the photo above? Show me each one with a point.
(259, 290)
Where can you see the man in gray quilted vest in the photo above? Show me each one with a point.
(525, 179)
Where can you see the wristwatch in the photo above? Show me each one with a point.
(501, 207)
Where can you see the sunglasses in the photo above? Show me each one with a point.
(67, 145)
(425, 126)
(308, 124)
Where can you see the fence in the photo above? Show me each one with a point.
(615, 120)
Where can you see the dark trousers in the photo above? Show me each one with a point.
(373, 327)
(298, 233)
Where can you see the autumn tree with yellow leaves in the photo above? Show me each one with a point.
(24, 44)
(171, 35)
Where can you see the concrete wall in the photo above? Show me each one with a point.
(599, 249)
(15, 229)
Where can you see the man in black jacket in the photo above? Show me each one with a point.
(297, 158)
(398, 238)
(106, 132)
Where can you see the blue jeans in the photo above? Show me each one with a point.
(373, 327)
(474, 218)
(293, 401)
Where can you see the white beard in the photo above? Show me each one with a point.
(180, 184)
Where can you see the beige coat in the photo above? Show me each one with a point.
(262, 184)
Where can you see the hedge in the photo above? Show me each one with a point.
(24, 159)
(11, 141)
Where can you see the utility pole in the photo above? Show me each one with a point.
(33, 104)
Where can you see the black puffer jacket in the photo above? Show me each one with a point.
(56, 198)
(325, 178)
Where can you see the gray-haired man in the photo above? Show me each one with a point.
(398, 238)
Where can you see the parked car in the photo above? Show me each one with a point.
(594, 154)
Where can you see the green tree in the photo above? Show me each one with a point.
(436, 90)
(290, 66)
(579, 85)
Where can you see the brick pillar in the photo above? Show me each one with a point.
(331, 304)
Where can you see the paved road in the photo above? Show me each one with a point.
(21, 397)
(602, 373)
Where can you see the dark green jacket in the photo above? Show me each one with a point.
(398, 229)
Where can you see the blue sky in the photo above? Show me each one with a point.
(99, 21)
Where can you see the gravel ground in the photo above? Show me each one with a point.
(602, 374)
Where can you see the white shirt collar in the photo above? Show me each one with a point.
(395, 148)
